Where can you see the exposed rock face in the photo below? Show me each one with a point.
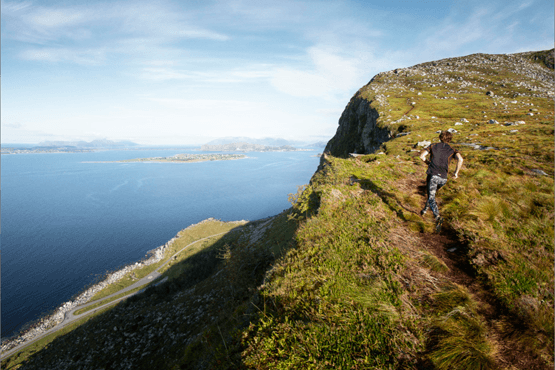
(357, 131)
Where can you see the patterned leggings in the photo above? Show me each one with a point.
(433, 184)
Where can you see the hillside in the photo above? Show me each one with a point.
(352, 277)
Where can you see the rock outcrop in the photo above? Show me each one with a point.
(358, 131)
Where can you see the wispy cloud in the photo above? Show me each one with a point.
(203, 105)
(202, 34)
(330, 74)
(490, 27)
(103, 25)
(163, 74)
(165, 71)
(54, 18)
(89, 57)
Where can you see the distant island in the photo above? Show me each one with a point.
(182, 158)
(247, 147)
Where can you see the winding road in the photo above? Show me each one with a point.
(70, 316)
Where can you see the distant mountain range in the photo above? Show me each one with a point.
(101, 143)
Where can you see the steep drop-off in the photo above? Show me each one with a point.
(352, 276)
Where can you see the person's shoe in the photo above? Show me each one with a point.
(423, 212)
(439, 221)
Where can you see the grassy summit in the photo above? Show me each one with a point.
(351, 277)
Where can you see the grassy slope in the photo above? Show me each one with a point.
(364, 282)
(363, 290)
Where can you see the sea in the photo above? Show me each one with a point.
(66, 220)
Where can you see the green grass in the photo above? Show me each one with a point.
(339, 286)
(434, 263)
(127, 280)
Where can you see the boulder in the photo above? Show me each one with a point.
(539, 172)
(424, 143)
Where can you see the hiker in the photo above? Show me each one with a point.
(438, 167)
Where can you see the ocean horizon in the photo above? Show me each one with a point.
(66, 222)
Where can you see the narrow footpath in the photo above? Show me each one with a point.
(447, 247)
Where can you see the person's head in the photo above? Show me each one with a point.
(445, 137)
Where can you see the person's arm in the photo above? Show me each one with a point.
(459, 164)
(423, 156)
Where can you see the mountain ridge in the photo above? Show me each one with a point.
(351, 276)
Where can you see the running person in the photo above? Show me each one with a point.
(438, 167)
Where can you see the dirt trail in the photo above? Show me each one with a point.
(504, 328)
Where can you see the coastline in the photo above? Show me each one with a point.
(48, 322)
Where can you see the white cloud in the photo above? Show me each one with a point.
(164, 71)
(9, 7)
(332, 75)
(206, 105)
(101, 23)
(490, 28)
(83, 57)
(302, 84)
(163, 74)
(454, 34)
(202, 34)
(53, 18)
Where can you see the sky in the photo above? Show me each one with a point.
(186, 72)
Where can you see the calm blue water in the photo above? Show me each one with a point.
(64, 222)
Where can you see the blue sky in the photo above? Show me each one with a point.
(185, 72)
